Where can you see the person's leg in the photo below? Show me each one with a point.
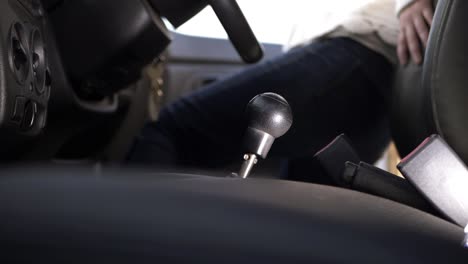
(333, 86)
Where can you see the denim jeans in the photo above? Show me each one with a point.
(333, 86)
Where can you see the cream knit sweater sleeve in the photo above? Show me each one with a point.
(401, 4)
(374, 16)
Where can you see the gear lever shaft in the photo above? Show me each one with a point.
(270, 117)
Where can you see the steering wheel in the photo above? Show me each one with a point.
(238, 29)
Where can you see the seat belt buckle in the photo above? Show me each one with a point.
(332, 158)
(441, 176)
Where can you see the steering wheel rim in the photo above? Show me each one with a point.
(238, 29)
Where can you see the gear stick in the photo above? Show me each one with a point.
(270, 117)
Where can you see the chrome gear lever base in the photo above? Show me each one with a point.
(249, 162)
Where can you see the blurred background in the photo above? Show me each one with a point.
(277, 24)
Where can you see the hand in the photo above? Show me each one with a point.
(415, 22)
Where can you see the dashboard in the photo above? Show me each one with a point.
(25, 75)
(64, 62)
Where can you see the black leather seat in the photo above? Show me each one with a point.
(433, 99)
(69, 216)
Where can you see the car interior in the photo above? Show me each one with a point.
(78, 81)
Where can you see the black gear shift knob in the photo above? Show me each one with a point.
(269, 117)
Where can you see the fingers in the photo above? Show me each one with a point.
(402, 49)
(413, 44)
(415, 22)
(428, 14)
(421, 29)
(409, 45)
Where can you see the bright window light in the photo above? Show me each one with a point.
(273, 21)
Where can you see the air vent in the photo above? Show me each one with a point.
(18, 54)
(38, 62)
